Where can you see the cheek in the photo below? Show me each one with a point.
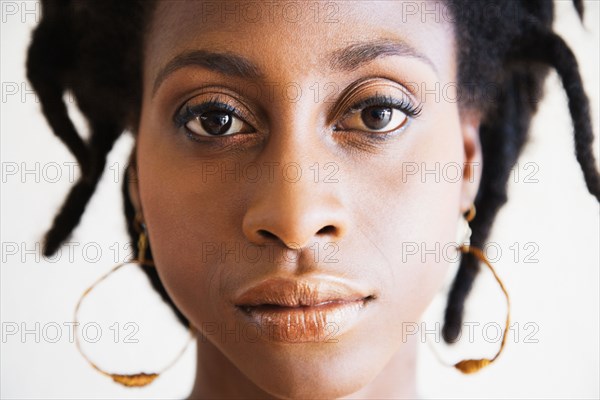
(189, 217)
(415, 221)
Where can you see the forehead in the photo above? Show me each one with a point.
(291, 39)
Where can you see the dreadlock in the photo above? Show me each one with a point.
(76, 42)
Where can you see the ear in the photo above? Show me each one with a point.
(473, 159)
(132, 182)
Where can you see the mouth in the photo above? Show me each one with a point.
(289, 293)
(297, 311)
(304, 308)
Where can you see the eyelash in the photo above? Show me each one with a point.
(190, 112)
(403, 105)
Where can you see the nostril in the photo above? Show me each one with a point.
(327, 230)
(266, 234)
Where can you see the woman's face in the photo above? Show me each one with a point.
(317, 144)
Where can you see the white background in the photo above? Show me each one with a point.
(552, 351)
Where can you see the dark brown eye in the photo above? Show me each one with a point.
(374, 119)
(217, 123)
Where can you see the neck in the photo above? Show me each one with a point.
(218, 378)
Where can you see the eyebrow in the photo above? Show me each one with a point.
(357, 54)
(225, 63)
(346, 59)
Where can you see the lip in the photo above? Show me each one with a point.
(298, 311)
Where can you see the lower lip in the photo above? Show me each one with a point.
(320, 323)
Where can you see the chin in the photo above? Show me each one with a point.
(317, 371)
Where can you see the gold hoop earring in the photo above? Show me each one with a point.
(129, 380)
(142, 247)
(471, 213)
(140, 226)
(473, 365)
(470, 366)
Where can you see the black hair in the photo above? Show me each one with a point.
(94, 50)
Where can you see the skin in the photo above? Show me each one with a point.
(368, 213)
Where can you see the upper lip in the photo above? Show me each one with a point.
(285, 292)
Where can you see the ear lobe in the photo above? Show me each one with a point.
(472, 162)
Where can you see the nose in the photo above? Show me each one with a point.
(295, 212)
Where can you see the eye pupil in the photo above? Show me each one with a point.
(376, 117)
(216, 122)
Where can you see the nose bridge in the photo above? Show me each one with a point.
(298, 201)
